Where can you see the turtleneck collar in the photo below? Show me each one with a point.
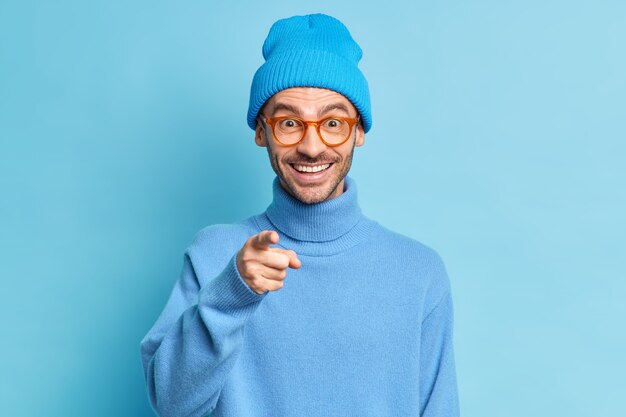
(339, 221)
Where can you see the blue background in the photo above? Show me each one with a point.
(498, 139)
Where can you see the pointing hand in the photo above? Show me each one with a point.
(264, 268)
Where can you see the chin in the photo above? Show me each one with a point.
(311, 199)
(314, 193)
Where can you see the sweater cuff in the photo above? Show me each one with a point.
(228, 291)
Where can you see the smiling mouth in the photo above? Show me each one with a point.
(311, 169)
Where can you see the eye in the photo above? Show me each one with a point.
(333, 123)
(290, 124)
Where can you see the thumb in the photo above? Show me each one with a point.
(294, 262)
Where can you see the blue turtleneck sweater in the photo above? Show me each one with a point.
(363, 328)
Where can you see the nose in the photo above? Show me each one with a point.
(311, 144)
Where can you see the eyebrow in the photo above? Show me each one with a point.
(324, 110)
(334, 106)
(285, 106)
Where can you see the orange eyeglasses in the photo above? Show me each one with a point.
(333, 131)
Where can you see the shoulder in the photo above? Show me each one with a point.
(417, 252)
(425, 266)
(214, 245)
(220, 238)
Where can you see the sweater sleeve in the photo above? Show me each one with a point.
(194, 344)
(438, 385)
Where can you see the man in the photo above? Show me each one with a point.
(309, 308)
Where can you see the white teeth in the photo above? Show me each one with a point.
(303, 168)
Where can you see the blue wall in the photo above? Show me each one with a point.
(498, 139)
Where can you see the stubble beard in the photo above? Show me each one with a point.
(313, 193)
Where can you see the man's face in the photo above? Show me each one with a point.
(311, 104)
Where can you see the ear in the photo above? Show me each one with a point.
(360, 135)
(259, 135)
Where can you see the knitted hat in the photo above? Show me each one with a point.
(315, 50)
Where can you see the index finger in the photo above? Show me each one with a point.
(264, 239)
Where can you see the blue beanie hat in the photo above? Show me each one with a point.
(315, 50)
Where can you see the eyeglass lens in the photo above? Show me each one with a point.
(333, 131)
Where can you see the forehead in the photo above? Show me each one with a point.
(308, 99)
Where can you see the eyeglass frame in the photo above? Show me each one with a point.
(352, 121)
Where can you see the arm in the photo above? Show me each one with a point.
(438, 386)
(194, 344)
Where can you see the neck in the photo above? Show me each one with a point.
(304, 226)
